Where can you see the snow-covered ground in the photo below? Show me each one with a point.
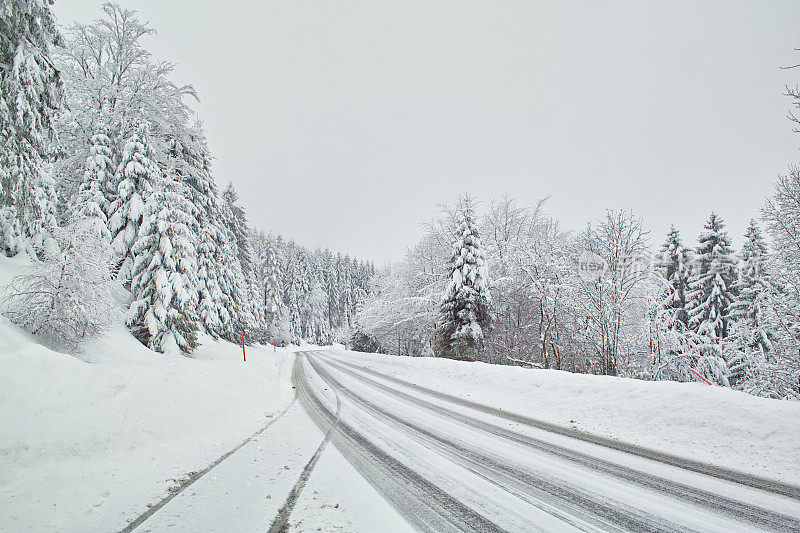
(245, 492)
(708, 424)
(87, 442)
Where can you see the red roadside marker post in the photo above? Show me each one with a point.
(244, 356)
(699, 376)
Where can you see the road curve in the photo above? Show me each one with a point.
(447, 465)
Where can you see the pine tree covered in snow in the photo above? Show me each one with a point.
(39, 219)
(275, 312)
(135, 179)
(346, 294)
(302, 284)
(750, 335)
(464, 312)
(712, 281)
(91, 202)
(674, 267)
(711, 297)
(237, 281)
(189, 162)
(318, 327)
(750, 288)
(164, 276)
(30, 95)
(212, 305)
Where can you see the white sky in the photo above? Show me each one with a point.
(344, 124)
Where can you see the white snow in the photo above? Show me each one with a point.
(705, 423)
(86, 443)
(337, 498)
(245, 492)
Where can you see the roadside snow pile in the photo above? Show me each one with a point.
(87, 442)
(713, 425)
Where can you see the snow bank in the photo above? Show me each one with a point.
(713, 425)
(87, 442)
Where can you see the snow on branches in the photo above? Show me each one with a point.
(68, 295)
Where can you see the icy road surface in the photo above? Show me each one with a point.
(447, 466)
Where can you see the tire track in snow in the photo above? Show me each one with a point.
(739, 510)
(183, 485)
(568, 503)
(769, 485)
(427, 506)
(281, 522)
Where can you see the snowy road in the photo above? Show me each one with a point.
(448, 466)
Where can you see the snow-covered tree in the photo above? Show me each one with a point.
(238, 271)
(275, 312)
(318, 324)
(750, 305)
(68, 296)
(711, 297)
(464, 311)
(164, 277)
(674, 266)
(403, 306)
(212, 306)
(189, 162)
(613, 304)
(780, 375)
(135, 179)
(712, 281)
(532, 268)
(110, 78)
(30, 95)
(782, 216)
(91, 202)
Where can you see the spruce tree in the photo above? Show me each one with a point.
(164, 280)
(135, 179)
(293, 297)
(237, 223)
(464, 311)
(346, 295)
(191, 164)
(751, 335)
(751, 289)
(674, 267)
(39, 220)
(234, 284)
(246, 292)
(711, 284)
(273, 303)
(91, 202)
(30, 95)
(331, 283)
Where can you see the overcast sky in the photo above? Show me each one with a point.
(344, 124)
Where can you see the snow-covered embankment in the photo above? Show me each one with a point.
(87, 442)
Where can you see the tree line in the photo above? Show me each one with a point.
(106, 179)
(510, 286)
